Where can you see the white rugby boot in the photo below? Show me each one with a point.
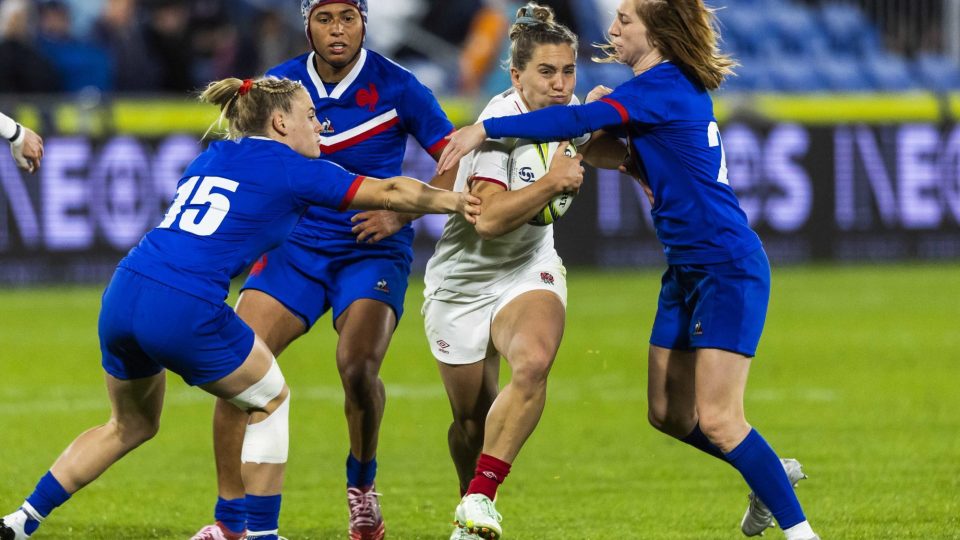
(758, 517)
(477, 515)
(13, 526)
(459, 533)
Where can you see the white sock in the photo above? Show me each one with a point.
(800, 531)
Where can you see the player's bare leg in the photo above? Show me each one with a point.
(277, 327)
(721, 379)
(134, 419)
(527, 332)
(365, 329)
(471, 389)
(671, 391)
(265, 444)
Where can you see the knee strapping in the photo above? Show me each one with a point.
(268, 441)
(261, 392)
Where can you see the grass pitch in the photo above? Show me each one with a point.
(856, 376)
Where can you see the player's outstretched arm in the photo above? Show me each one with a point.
(547, 124)
(25, 145)
(375, 225)
(403, 194)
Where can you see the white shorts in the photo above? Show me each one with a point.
(458, 325)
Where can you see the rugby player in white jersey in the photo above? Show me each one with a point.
(499, 288)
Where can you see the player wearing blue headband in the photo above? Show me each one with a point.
(354, 265)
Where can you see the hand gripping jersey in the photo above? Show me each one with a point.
(668, 119)
(366, 119)
(235, 201)
(462, 261)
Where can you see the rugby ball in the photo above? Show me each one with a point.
(529, 161)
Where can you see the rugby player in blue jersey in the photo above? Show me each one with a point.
(164, 307)
(354, 265)
(714, 294)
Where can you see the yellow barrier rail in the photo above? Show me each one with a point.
(160, 116)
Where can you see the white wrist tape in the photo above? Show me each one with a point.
(8, 127)
(268, 441)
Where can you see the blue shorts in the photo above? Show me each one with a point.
(714, 306)
(310, 280)
(146, 326)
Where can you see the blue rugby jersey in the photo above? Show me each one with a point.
(366, 119)
(668, 120)
(235, 201)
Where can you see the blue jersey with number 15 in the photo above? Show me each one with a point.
(234, 202)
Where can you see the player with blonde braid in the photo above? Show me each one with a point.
(237, 199)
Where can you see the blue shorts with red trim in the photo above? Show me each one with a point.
(146, 326)
(714, 306)
(310, 280)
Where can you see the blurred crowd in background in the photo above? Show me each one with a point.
(454, 46)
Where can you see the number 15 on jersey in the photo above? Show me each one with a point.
(217, 205)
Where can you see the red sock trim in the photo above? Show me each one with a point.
(490, 473)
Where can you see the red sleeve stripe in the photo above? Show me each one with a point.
(624, 117)
(351, 193)
(439, 145)
(491, 180)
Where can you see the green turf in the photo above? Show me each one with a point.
(857, 376)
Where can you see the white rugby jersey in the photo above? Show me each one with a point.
(464, 262)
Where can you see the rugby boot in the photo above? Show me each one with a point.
(366, 520)
(477, 515)
(218, 531)
(758, 517)
(459, 533)
(15, 525)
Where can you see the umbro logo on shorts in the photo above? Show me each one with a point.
(382, 286)
(546, 277)
(443, 346)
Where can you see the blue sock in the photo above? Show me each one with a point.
(263, 516)
(698, 440)
(232, 513)
(764, 473)
(360, 474)
(47, 496)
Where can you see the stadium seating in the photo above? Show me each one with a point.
(937, 72)
(788, 46)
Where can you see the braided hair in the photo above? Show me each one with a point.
(247, 105)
